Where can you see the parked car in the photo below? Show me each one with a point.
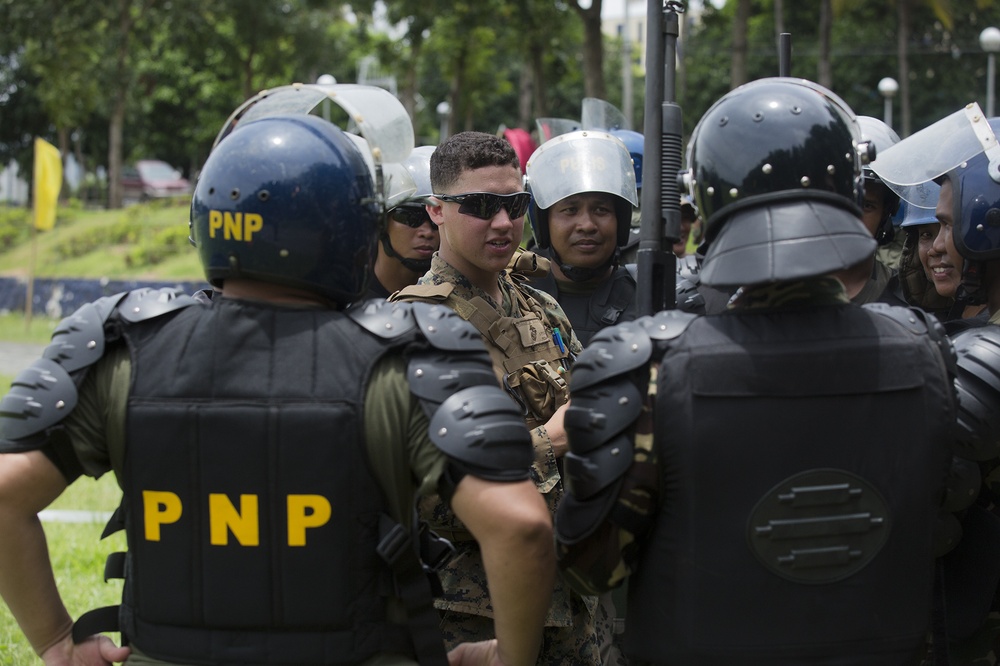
(152, 179)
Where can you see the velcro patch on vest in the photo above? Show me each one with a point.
(532, 331)
(818, 526)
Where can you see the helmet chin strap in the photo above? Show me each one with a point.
(419, 266)
(581, 274)
(971, 290)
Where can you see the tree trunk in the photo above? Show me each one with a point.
(593, 49)
(824, 73)
(116, 124)
(538, 82)
(738, 63)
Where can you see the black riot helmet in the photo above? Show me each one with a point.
(775, 169)
(288, 200)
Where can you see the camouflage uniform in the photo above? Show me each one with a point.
(577, 627)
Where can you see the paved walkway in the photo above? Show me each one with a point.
(16, 356)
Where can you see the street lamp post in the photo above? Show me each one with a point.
(888, 87)
(989, 40)
(443, 111)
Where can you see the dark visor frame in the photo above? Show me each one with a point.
(412, 216)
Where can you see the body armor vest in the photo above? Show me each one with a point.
(247, 515)
(529, 360)
(611, 302)
(795, 524)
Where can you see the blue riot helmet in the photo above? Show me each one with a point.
(634, 142)
(775, 169)
(882, 136)
(288, 200)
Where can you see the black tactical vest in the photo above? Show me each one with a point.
(803, 459)
(246, 515)
(612, 302)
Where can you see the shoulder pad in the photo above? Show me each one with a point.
(978, 387)
(689, 268)
(435, 376)
(78, 340)
(482, 428)
(687, 296)
(40, 396)
(913, 319)
(384, 319)
(446, 330)
(143, 304)
(666, 324)
(612, 351)
(599, 412)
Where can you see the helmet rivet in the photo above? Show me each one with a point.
(419, 372)
(758, 117)
(234, 193)
(805, 181)
(796, 110)
(442, 432)
(767, 168)
(979, 227)
(734, 193)
(283, 254)
(263, 195)
(709, 190)
(830, 169)
(723, 121)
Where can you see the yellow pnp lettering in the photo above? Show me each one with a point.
(159, 508)
(223, 518)
(252, 223)
(305, 511)
(233, 226)
(214, 222)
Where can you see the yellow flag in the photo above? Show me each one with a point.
(48, 182)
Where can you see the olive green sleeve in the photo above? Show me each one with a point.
(403, 458)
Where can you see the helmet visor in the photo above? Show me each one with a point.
(912, 166)
(588, 161)
(598, 114)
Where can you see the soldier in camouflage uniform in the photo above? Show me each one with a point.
(479, 208)
(710, 459)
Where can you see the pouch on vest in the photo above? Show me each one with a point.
(541, 386)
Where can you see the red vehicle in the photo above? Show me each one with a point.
(152, 179)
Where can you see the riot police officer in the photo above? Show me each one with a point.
(739, 467)
(267, 441)
(583, 192)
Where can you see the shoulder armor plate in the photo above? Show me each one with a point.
(601, 411)
(587, 475)
(384, 319)
(447, 331)
(143, 304)
(612, 351)
(40, 396)
(913, 319)
(434, 376)
(481, 427)
(666, 324)
(78, 340)
(978, 386)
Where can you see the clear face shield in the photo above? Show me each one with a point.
(549, 128)
(583, 161)
(375, 120)
(912, 166)
(599, 114)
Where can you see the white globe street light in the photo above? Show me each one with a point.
(888, 87)
(989, 40)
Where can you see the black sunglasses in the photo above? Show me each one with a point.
(485, 205)
(412, 216)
